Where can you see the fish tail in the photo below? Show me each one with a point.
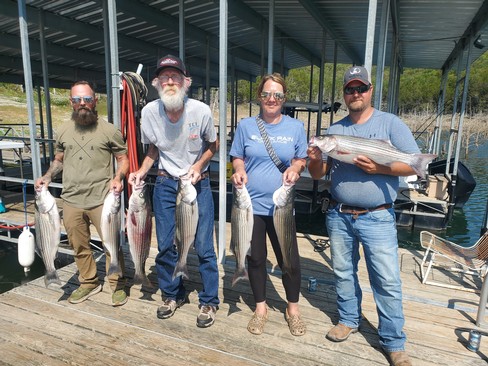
(241, 274)
(420, 163)
(114, 269)
(52, 277)
(286, 269)
(181, 270)
(141, 279)
(146, 283)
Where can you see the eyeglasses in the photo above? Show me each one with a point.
(279, 96)
(87, 100)
(350, 90)
(177, 78)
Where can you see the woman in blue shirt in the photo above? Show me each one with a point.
(254, 168)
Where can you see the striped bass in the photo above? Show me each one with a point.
(186, 223)
(242, 222)
(347, 148)
(48, 233)
(284, 221)
(139, 230)
(110, 226)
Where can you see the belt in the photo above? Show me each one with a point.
(356, 211)
(164, 173)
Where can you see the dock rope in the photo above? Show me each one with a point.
(133, 100)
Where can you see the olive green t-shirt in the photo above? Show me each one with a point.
(88, 161)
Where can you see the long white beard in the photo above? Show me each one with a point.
(173, 102)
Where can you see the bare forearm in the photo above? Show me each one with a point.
(122, 167)
(151, 156)
(55, 168)
(207, 155)
(397, 169)
(317, 168)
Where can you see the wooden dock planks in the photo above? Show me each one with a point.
(39, 326)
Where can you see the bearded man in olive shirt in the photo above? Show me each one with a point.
(85, 148)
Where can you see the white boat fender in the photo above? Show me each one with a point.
(26, 249)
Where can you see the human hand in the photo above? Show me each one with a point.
(290, 175)
(116, 185)
(40, 182)
(366, 164)
(136, 179)
(239, 179)
(314, 153)
(194, 175)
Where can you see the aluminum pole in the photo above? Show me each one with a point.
(24, 39)
(45, 78)
(380, 60)
(270, 36)
(181, 30)
(114, 66)
(222, 129)
(368, 55)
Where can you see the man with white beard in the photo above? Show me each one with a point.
(182, 139)
(85, 148)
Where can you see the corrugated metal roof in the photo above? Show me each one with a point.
(428, 32)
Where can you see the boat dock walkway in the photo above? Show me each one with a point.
(40, 327)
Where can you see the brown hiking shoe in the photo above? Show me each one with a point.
(399, 358)
(340, 333)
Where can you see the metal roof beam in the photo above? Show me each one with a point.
(95, 33)
(479, 22)
(68, 72)
(320, 18)
(245, 13)
(148, 14)
(13, 42)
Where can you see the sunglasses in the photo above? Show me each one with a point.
(279, 96)
(87, 100)
(177, 78)
(350, 90)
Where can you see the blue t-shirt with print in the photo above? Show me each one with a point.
(351, 185)
(289, 141)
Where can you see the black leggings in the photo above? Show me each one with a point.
(256, 262)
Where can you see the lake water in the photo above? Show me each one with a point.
(464, 228)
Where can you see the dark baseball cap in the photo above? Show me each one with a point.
(170, 61)
(356, 73)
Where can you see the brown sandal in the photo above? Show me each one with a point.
(256, 324)
(295, 323)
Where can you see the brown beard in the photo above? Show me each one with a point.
(84, 117)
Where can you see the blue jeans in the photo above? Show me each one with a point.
(377, 232)
(164, 201)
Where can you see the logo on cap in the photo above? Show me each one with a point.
(355, 70)
(167, 61)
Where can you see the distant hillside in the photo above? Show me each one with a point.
(419, 88)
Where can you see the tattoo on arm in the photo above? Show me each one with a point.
(55, 168)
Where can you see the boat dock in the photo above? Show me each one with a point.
(40, 327)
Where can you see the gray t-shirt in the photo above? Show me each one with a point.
(351, 185)
(180, 144)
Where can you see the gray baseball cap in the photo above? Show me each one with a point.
(356, 73)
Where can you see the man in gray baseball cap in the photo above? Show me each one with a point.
(356, 73)
(361, 211)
